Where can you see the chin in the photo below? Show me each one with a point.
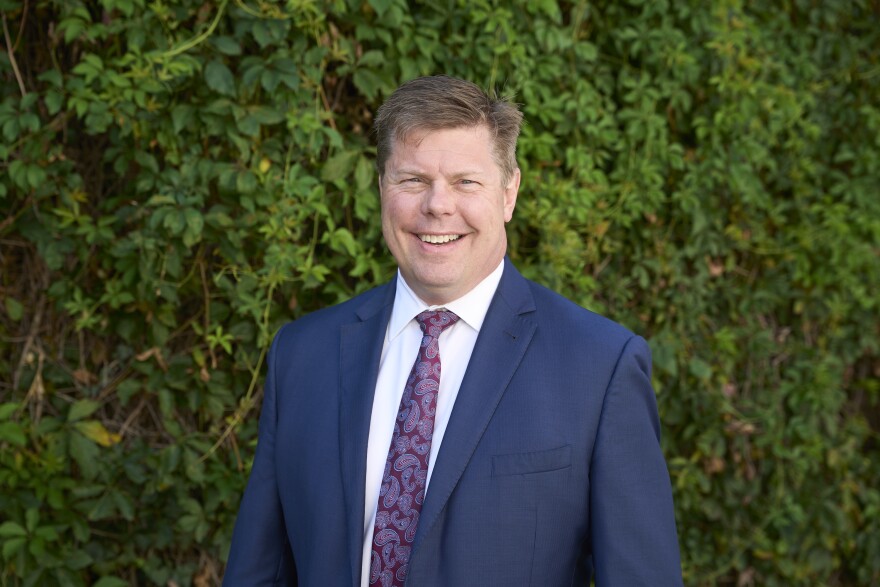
(437, 282)
(433, 285)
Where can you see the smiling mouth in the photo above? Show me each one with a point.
(439, 239)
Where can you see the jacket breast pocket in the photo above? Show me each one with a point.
(526, 463)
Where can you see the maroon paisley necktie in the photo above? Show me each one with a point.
(406, 469)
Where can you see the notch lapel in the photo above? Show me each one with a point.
(501, 345)
(360, 350)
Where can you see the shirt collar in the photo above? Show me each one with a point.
(471, 308)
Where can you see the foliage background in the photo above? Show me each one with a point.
(181, 177)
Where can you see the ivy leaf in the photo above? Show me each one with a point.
(8, 529)
(102, 508)
(339, 165)
(97, 433)
(82, 409)
(12, 546)
(343, 239)
(700, 368)
(180, 116)
(78, 559)
(7, 409)
(123, 504)
(380, 6)
(85, 453)
(195, 222)
(265, 115)
(226, 45)
(364, 174)
(219, 78)
(246, 181)
(14, 308)
(12, 432)
(54, 101)
(372, 58)
(367, 82)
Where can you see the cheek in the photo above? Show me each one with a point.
(393, 215)
(385, 216)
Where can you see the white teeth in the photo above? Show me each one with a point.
(435, 239)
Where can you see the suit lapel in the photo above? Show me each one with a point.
(501, 344)
(359, 354)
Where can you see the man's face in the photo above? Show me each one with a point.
(443, 210)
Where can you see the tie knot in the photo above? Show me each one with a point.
(433, 322)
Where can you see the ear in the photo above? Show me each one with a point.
(510, 193)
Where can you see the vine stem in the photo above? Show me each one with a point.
(248, 401)
(10, 50)
(199, 38)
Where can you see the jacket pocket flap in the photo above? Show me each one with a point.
(531, 462)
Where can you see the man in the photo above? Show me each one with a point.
(531, 458)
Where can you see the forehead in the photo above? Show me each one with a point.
(458, 143)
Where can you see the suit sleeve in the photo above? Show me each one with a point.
(260, 554)
(633, 522)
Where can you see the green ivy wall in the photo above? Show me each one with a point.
(180, 177)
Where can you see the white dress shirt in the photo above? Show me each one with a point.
(399, 352)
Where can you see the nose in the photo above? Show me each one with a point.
(438, 200)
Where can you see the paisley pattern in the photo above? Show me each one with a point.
(406, 470)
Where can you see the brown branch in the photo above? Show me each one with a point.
(234, 442)
(207, 297)
(9, 50)
(24, 12)
(327, 107)
(33, 332)
(131, 417)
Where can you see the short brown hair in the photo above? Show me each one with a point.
(441, 102)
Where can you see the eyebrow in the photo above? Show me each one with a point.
(419, 172)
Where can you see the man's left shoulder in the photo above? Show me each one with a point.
(553, 310)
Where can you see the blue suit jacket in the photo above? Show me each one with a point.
(550, 467)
